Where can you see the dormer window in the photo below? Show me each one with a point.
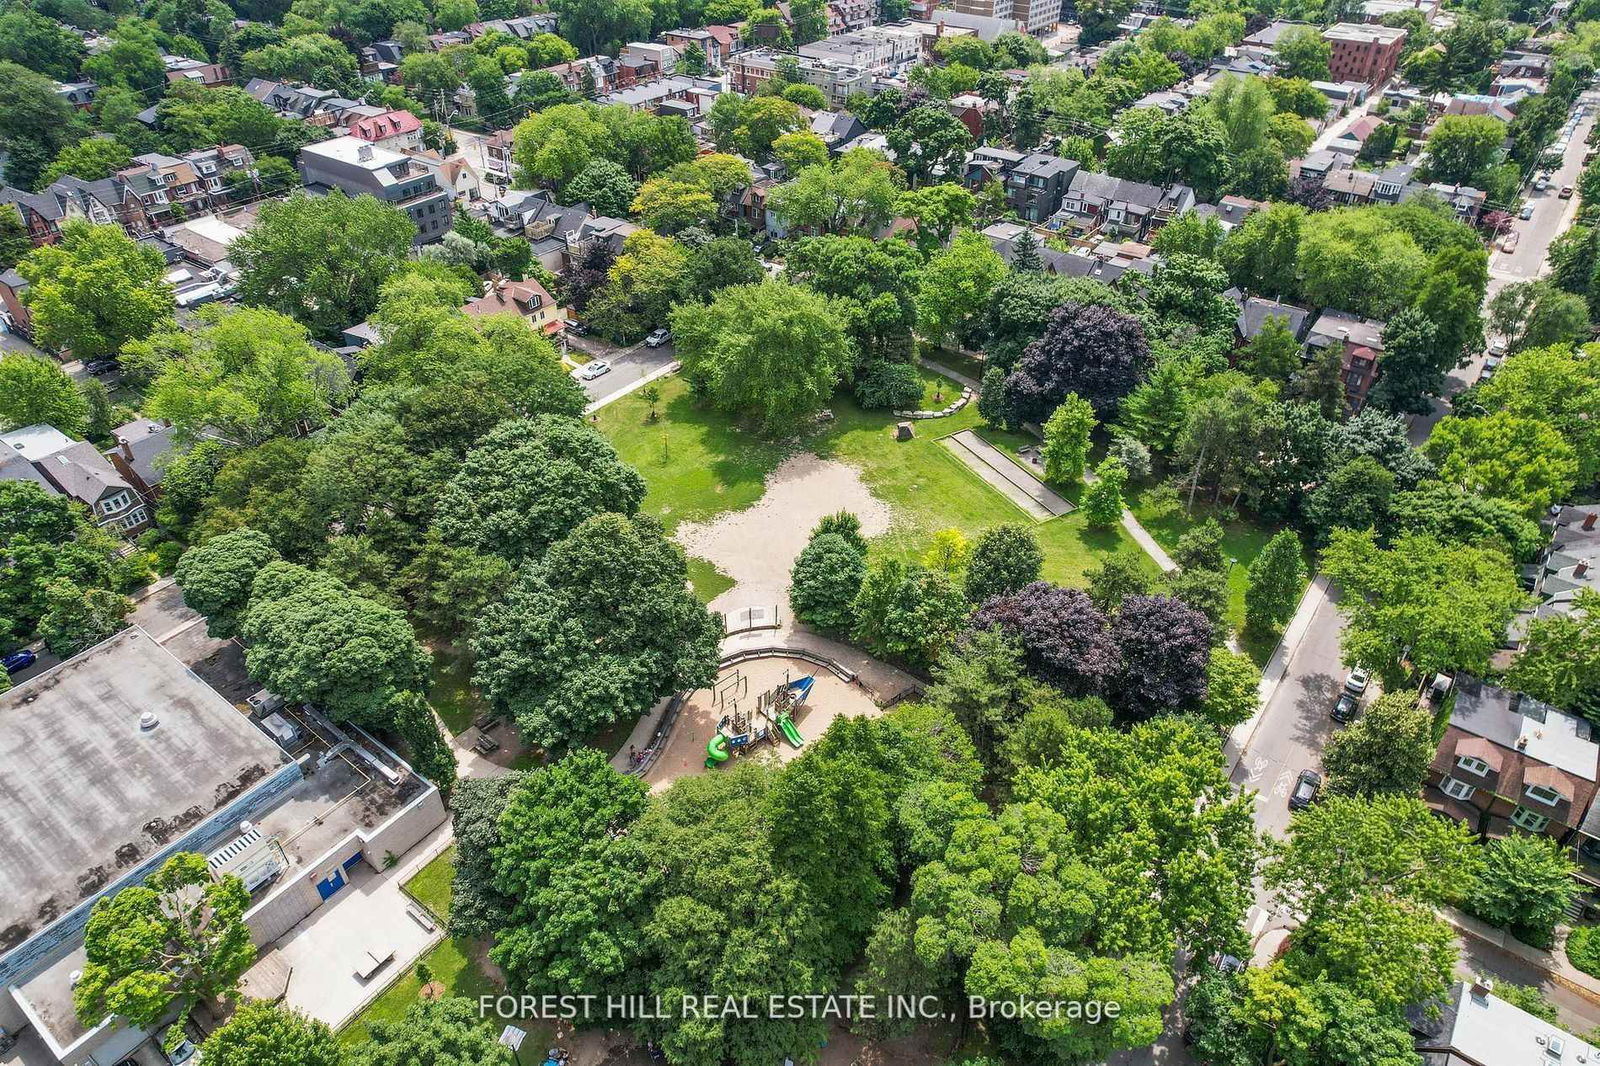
(1547, 796)
(1532, 821)
(1472, 765)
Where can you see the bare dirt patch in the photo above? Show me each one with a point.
(757, 546)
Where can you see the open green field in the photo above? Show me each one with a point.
(431, 884)
(699, 463)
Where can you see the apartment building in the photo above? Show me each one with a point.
(1036, 17)
(356, 167)
(1368, 54)
(754, 68)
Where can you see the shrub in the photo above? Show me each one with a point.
(885, 385)
(1583, 949)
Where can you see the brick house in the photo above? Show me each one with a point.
(1361, 342)
(1366, 54)
(1509, 762)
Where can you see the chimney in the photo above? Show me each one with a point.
(1588, 520)
(127, 452)
(1522, 743)
(364, 153)
(1581, 568)
(1481, 987)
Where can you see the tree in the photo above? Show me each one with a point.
(1243, 106)
(1385, 751)
(40, 43)
(311, 57)
(1556, 385)
(1560, 660)
(76, 618)
(1260, 254)
(1064, 637)
(909, 612)
(956, 287)
(321, 260)
(1165, 649)
(531, 482)
(564, 860)
(1302, 53)
(1451, 513)
(1156, 412)
(773, 351)
(477, 907)
(855, 194)
(441, 1032)
(1273, 353)
(1525, 886)
(1190, 233)
(1423, 604)
(1520, 460)
(1119, 577)
(1102, 501)
(312, 640)
(34, 392)
(174, 940)
(1355, 496)
(825, 580)
(1277, 579)
(95, 290)
(1233, 689)
(246, 372)
(1004, 559)
(35, 123)
(216, 577)
(1066, 440)
(266, 1034)
(670, 206)
(14, 240)
(595, 631)
(1462, 147)
(1413, 372)
(1092, 350)
(1536, 314)
(928, 140)
(800, 149)
(93, 159)
(937, 211)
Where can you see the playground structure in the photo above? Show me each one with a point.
(741, 727)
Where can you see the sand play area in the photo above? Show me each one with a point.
(757, 546)
(697, 722)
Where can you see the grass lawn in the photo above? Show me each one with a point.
(431, 884)
(450, 688)
(698, 463)
(453, 965)
(708, 581)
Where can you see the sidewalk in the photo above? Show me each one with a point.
(1554, 965)
(1277, 668)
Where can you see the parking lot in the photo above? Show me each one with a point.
(629, 365)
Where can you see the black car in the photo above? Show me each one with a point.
(576, 328)
(100, 366)
(1305, 790)
(1345, 708)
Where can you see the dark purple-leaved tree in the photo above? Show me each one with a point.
(1089, 349)
(1165, 648)
(1065, 638)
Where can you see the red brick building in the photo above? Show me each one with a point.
(1367, 54)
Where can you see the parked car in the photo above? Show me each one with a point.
(1345, 707)
(1356, 683)
(657, 338)
(18, 660)
(1490, 364)
(1526, 212)
(185, 1054)
(1305, 790)
(597, 368)
(100, 366)
(1508, 243)
(576, 328)
(1566, 192)
(1497, 349)
(1542, 182)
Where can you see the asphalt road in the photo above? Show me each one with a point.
(1551, 218)
(628, 365)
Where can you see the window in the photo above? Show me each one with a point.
(137, 518)
(1532, 821)
(1547, 796)
(112, 504)
(1472, 765)
(1456, 789)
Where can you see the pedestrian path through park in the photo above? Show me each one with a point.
(997, 468)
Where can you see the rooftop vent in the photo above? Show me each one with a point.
(148, 721)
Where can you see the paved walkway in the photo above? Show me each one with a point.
(995, 467)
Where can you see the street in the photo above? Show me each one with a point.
(1551, 217)
(628, 365)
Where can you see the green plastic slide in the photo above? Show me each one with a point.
(716, 750)
(790, 733)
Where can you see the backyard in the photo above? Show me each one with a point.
(699, 463)
(458, 965)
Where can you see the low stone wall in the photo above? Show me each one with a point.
(965, 398)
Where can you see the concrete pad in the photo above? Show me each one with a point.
(995, 467)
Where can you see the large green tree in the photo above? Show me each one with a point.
(442, 1032)
(216, 577)
(773, 352)
(266, 1034)
(1385, 751)
(1525, 886)
(172, 941)
(95, 290)
(1523, 461)
(36, 391)
(595, 631)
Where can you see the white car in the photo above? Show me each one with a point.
(1526, 213)
(1356, 683)
(657, 338)
(597, 368)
